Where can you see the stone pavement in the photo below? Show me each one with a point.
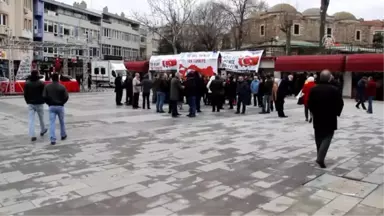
(119, 161)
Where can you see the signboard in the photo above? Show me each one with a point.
(24, 67)
(205, 63)
(163, 63)
(241, 61)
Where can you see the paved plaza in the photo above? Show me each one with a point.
(119, 161)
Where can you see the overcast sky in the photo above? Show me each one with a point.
(367, 9)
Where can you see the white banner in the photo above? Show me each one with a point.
(24, 67)
(205, 63)
(163, 63)
(241, 61)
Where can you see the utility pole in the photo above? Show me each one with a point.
(11, 65)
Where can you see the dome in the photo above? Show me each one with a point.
(256, 14)
(282, 8)
(344, 16)
(312, 12)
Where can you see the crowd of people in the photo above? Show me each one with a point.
(216, 91)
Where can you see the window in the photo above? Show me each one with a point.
(50, 27)
(4, 19)
(358, 35)
(25, 24)
(262, 30)
(296, 29)
(45, 26)
(329, 31)
(61, 29)
(55, 28)
(102, 71)
(96, 71)
(28, 4)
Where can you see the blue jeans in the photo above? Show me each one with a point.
(160, 98)
(53, 112)
(192, 105)
(32, 109)
(267, 103)
(370, 99)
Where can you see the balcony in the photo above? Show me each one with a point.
(27, 34)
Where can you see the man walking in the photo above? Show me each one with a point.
(230, 89)
(361, 85)
(161, 92)
(119, 89)
(326, 104)
(282, 92)
(217, 89)
(174, 96)
(255, 89)
(33, 95)
(55, 95)
(147, 85)
(243, 93)
(136, 87)
(371, 93)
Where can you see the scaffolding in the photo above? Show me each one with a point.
(10, 44)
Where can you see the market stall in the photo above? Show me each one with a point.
(206, 63)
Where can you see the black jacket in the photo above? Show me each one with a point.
(33, 92)
(163, 86)
(283, 89)
(230, 88)
(55, 94)
(128, 84)
(325, 103)
(147, 85)
(268, 85)
(118, 84)
(217, 87)
(190, 87)
(243, 90)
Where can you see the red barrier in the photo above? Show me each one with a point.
(71, 86)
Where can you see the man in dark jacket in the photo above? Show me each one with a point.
(174, 95)
(260, 94)
(230, 90)
(128, 90)
(243, 92)
(217, 89)
(361, 85)
(282, 92)
(119, 89)
(56, 95)
(326, 104)
(161, 92)
(191, 92)
(147, 86)
(33, 95)
(267, 91)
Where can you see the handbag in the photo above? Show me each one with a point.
(300, 101)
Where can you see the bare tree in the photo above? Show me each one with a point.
(210, 22)
(323, 19)
(167, 18)
(286, 23)
(239, 11)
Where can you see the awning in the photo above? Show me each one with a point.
(118, 66)
(137, 66)
(334, 63)
(365, 63)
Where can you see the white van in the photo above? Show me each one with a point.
(104, 72)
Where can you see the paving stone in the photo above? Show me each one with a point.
(375, 199)
(242, 193)
(19, 207)
(156, 189)
(361, 209)
(279, 204)
(216, 191)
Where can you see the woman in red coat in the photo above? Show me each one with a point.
(306, 89)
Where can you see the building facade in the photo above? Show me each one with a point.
(264, 29)
(16, 23)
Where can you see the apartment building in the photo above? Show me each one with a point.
(16, 23)
(120, 36)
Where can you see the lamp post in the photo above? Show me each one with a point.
(11, 65)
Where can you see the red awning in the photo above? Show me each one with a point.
(137, 66)
(365, 63)
(334, 63)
